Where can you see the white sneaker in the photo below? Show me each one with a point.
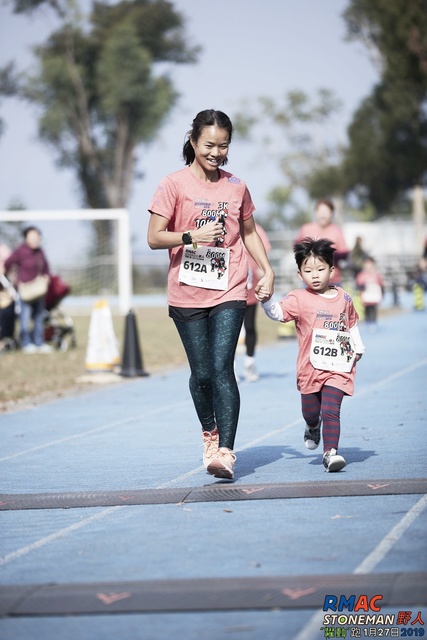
(332, 461)
(44, 348)
(251, 374)
(29, 349)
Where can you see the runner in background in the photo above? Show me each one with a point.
(250, 330)
(371, 285)
(324, 227)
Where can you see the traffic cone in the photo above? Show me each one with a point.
(132, 360)
(102, 352)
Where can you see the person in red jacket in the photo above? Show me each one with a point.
(29, 261)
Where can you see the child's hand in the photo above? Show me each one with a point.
(265, 288)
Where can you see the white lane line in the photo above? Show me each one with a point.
(392, 377)
(82, 523)
(23, 551)
(104, 427)
(312, 629)
(388, 542)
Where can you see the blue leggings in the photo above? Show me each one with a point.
(327, 403)
(210, 344)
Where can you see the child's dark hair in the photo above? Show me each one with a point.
(206, 118)
(321, 248)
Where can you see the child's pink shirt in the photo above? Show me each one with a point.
(311, 310)
(188, 203)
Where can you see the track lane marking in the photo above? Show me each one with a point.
(311, 630)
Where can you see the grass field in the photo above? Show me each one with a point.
(26, 379)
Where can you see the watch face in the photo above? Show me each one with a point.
(186, 238)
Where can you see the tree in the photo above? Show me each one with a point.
(294, 141)
(7, 88)
(100, 93)
(387, 152)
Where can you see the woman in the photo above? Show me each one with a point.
(201, 214)
(30, 261)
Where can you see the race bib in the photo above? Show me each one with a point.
(205, 267)
(332, 350)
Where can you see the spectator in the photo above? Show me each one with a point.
(324, 227)
(30, 263)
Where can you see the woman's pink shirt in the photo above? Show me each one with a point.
(188, 203)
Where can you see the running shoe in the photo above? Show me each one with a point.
(222, 463)
(312, 435)
(332, 461)
(210, 445)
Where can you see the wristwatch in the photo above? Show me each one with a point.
(187, 239)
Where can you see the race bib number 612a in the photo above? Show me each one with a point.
(205, 267)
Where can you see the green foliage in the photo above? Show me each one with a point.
(279, 198)
(387, 153)
(100, 90)
(289, 134)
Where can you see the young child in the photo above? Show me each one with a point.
(371, 284)
(329, 345)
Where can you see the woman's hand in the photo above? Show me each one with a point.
(209, 232)
(265, 287)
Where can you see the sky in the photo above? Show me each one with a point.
(250, 48)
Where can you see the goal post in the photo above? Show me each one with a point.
(123, 244)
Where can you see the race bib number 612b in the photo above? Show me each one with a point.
(332, 350)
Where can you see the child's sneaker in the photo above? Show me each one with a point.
(210, 445)
(312, 435)
(221, 464)
(332, 461)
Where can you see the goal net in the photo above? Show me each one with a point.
(88, 248)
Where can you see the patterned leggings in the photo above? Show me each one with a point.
(210, 344)
(326, 403)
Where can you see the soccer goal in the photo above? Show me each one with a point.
(68, 241)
